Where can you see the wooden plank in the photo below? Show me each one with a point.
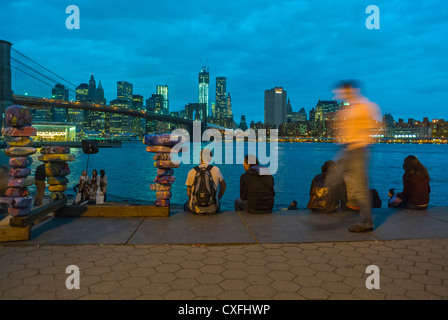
(112, 211)
(37, 213)
(8, 233)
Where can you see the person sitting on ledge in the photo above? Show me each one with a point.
(327, 189)
(256, 188)
(293, 206)
(416, 189)
(205, 186)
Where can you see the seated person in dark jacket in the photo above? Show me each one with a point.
(256, 188)
(416, 189)
(293, 206)
(327, 191)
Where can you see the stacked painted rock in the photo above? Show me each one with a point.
(17, 134)
(56, 169)
(161, 145)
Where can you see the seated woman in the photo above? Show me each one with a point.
(416, 189)
(327, 189)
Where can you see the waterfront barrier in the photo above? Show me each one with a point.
(112, 210)
(19, 228)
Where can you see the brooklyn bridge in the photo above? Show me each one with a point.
(37, 75)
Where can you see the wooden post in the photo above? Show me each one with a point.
(37, 214)
(8, 233)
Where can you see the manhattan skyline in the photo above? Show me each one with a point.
(304, 47)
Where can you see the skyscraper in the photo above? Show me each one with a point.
(229, 113)
(59, 92)
(220, 97)
(204, 79)
(275, 106)
(99, 94)
(124, 100)
(92, 89)
(138, 123)
(325, 107)
(124, 92)
(77, 116)
(243, 123)
(163, 91)
(81, 92)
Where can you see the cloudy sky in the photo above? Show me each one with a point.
(303, 46)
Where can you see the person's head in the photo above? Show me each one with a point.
(327, 167)
(84, 172)
(294, 203)
(347, 90)
(412, 165)
(250, 161)
(206, 156)
(102, 173)
(94, 173)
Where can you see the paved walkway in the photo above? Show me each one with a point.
(285, 255)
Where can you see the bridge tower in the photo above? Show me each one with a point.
(5, 77)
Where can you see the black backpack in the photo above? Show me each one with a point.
(203, 191)
(321, 198)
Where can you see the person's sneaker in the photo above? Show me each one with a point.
(359, 228)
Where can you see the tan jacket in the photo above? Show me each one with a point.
(355, 123)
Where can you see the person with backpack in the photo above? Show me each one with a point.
(327, 190)
(205, 186)
(256, 188)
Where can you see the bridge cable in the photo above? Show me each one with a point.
(41, 74)
(43, 67)
(50, 85)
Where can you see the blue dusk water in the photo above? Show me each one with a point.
(130, 171)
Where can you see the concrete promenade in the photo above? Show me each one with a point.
(231, 255)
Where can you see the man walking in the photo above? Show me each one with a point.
(355, 124)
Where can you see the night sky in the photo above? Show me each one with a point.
(303, 46)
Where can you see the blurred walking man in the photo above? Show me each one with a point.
(354, 127)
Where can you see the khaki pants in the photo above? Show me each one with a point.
(40, 185)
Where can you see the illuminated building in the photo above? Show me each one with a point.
(124, 100)
(124, 91)
(323, 108)
(154, 103)
(99, 94)
(243, 123)
(275, 106)
(77, 116)
(204, 79)
(54, 131)
(138, 124)
(388, 120)
(42, 114)
(81, 92)
(220, 98)
(163, 91)
(59, 92)
(229, 113)
(92, 89)
(117, 123)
